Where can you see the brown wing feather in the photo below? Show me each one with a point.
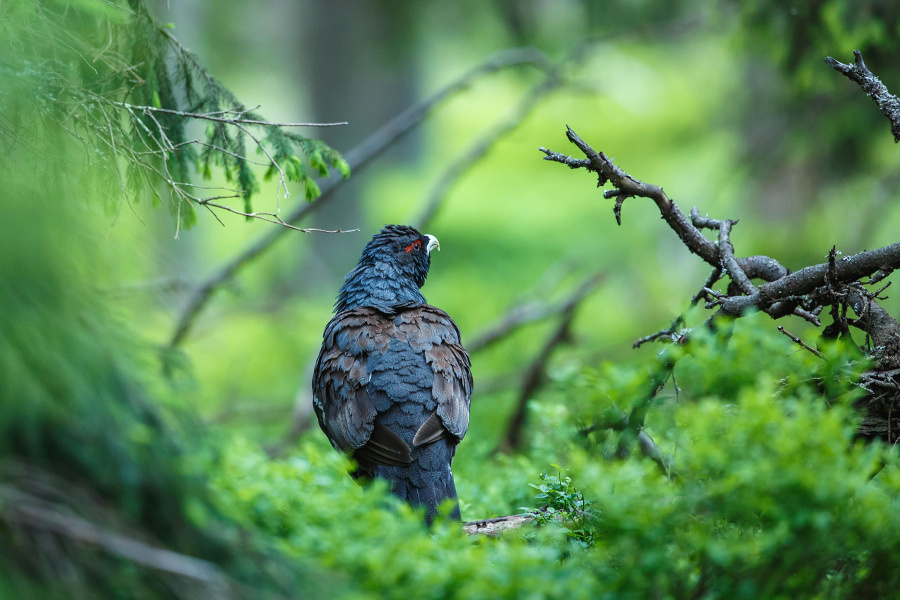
(452, 386)
(343, 407)
(346, 416)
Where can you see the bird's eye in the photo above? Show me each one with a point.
(414, 246)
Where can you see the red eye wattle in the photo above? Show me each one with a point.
(414, 246)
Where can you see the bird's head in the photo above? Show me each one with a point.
(403, 248)
(392, 268)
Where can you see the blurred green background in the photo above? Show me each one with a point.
(727, 105)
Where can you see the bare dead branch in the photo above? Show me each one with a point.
(888, 103)
(497, 525)
(781, 296)
(628, 186)
(835, 284)
(804, 281)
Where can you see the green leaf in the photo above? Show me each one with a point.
(311, 189)
(342, 166)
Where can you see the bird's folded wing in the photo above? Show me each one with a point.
(452, 385)
(343, 406)
(344, 410)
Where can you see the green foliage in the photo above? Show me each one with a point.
(379, 545)
(763, 489)
(764, 493)
(767, 495)
(758, 488)
(805, 32)
(134, 106)
(564, 504)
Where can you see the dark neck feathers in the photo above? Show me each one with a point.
(378, 284)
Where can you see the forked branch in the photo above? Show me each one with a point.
(784, 294)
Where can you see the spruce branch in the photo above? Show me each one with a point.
(800, 342)
(129, 92)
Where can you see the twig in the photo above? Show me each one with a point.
(670, 333)
(212, 116)
(282, 183)
(879, 275)
(531, 312)
(270, 218)
(627, 185)
(714, 276)
(801, 342)
(873, 87)
(571, 162)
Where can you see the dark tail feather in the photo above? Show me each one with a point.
(423, 488)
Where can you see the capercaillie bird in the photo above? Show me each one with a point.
(392, 384)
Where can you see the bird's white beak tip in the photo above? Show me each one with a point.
(433, 243)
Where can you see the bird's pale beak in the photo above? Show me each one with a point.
(433, 243)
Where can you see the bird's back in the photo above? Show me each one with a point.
(392, 387)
